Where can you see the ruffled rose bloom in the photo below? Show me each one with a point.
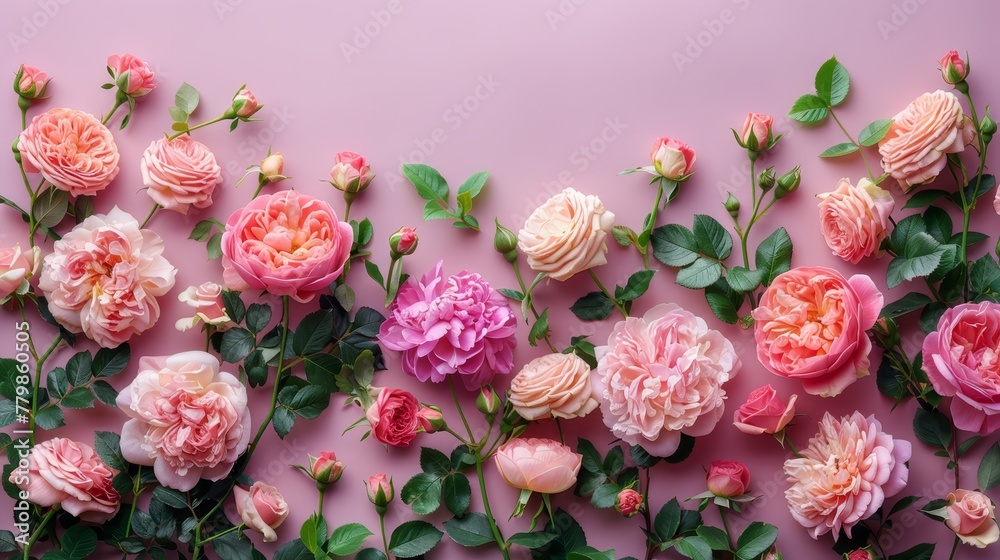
(628, 502)
(672, 159)
(30, 82)
(71, 149)
(961, 361)
(103, 278)
(188, 420)
(351, 172)
(662, 375)
(206, 299)
(448, 325)
(764, 413)
(262, 508)
(289, 244)
(69, 474)
(811, 325)
(922, 135)
(16, 267)
(855, 220)
(972, 516)
(394, 417)
(539, 465)
(180, 173)
(728, 479)
(758, 127)
(140, 75)
(845, 474)
(566, 235)
(553, 385)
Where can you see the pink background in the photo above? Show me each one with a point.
(543, 95)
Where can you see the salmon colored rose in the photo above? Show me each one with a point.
(206, 299)
(71, 149)
(566, 235)
(672, 159)
(855, 220)
(180, 173)
(811, 325)
(539, 465)
(764, 412)
(287, 243)
(972, 516)
(553, 385)
(394, 417)
(16, 267)
(262, 508)
(138, 75)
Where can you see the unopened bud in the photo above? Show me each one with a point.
(505, 242)
(732, 205)
(788, 183)
(403, 242)
(487, 402)
(765, 180)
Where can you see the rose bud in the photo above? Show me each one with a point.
(30, 82)
(403, 242)
(728, 479)
(487, 402)
(206, 299)
(262, 508)
(325, 469)
(16, 267)
(672, 159)
(756, 133)
(430, 419)
(774, 554)
(244, 105)
(732, 205)
(380, 492)
(953, 68)
(273, 167)
(764, 413)
(988, 127)
(865, 553)
(765, 180)
(350, 172)
(505, 242)
(135, 75)
(788, 183)
(628, 502)
(972, 516)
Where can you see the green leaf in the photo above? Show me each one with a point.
(108, 362)
(724, 301)
(832, 82)
(368, 554)
(924, 197)
(923, 551)
(938, 224)
(235, 308)
(434, 462)
(932, 428)
(57, 383)
(258, 317)
(108, 448)
(594, 306)
(50, 207)
(744, 280)
(531, 540)
(985, 185)
(684, 450)
(713, 240)
(674, 245)
(871, 134)
(472, 529)
(694, 547)
(202, 230)
(902, 504)
(920, 257)
(774, 255)
(636, 285)
(233, 546)
(414, 538)
(313, 333)
(186, 99)
(79, 368)
(8, 543)
(989, 468)
(540, 328)
(429, 183)
(293, 550)
(49, 417)
(906, 304)
(283, 421)
(838, 150)
(79, 542)
(434, 211)
(984, 275)
(236, 345)
(756, 539)
(457, 493)
(347, 539)
(605, 496)
(715, 538)
(624, 235)
(591, 458)
(808, 109)
(307, 402)
(80, 397)
(667, 520)
(474, 184)
(374, 273)
(170, 497)
(702, 273)
(511, 294)
(423, 493)
(214, 247)
(642, 458)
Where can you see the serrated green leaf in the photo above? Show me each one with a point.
(186, 99)
(808, 109)
(474, 184)
(702, 273)
(774, 255)
(755, 540)
(838, 150)
(423, 493)
(413, 538)
(713, 240)
(875, 131)
(470, 530)
(989, 468)
(347, 539)
(674, 245)
(429, 183)
(594, 306)
(832, 82)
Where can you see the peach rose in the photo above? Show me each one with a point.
(764, 413)
(262, 508)
(972, 516)
(16, 267)
(855, 220)
(138, 74)
(539, 465)
(915, 149)
(289, 244)
(566, 235)
(553, 385)
(811, 325)
(209, 308)
(180, 173)
(672, 159)
(103, 278)
(758, 127)
(187, 419)
(71, 149)
(69, 474)
(30, 82)
(351, 172)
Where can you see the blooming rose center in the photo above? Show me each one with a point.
(977, 346)
(808, 320)
(191, 430)
(284, 236)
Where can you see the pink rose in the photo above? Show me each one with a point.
(566, 235)
(553, 385)
(30, 82)
(245, 104)
(953, 68)
(855, 220)
(451, 325)
(972, 516)
(206, 299)
(380, 490)
(394, 417)
(628, 502)
(764, 413)
(351, 172)
(16, 267)
(960, 361)
(811, 325)
(103, 278)
(188, 420)
(538, 465)
(180, 173)
(403, 242)
(862, 554)
(662, 375)
(272, 167)
(758, 128)
(672, 159)
(71, 149)
(728, 479)
(139, 76)
(920, 137)
(430, 419)
(289, 244)
(325, 469)
(262, 508)
(845, 474)
(69, 474)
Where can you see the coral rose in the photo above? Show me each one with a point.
(811, 325)
(972, 516)
(16, 267)
(662, 375)
(628, 502)
(845, 474)
(566, 235)
(138, 74)
(188, 420)
(262, 508)
(539, 465)
(855, 220)
(180, 173)
(727, 479)
(764, 413)
(71, 149)
(553, 385)
(394, 417)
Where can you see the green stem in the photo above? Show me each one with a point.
(654, 214)
(461, 413)
(224, 533)
(647, 517)
(791, 444)
(607, 294)
(24, 113)
(531, 304)
(954, 548)
(859, 146)
(119, 101)
(150, 215)
(725, 525)
(320, 506)
(348, 202)
(136, 491)
(38, 532)
(37, 384)
(195, 127)
(385, 541)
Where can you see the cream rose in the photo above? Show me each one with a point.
(553, 385)
(566, 235)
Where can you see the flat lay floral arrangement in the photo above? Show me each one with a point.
(172, 481)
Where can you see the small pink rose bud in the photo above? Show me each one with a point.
(325, 469)
(351, 173)
(628, 502)
(403, 242)
(430, 419)
(30, 82)
(756, 133)
(262, 508)
(272, 167)
(380, 491)
(672, 159)
(728, 479)
(136, 77)
(865, 553)
(953, 68)
(245, 104)
(487, 402)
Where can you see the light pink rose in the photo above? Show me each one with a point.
(103, 278)
(972, 516)
(628, 502)
(757, 126)
(953, 68)
(30, 82)
(16, 267)
(553, 385)
(245, 103)
(403, 242)
(922, 135)
(764, 413)
(188, 420)
(960, 359)
(289, 244)
(845, 474)
(539, 465)
(380, 489)
(351, 172)
(206, 299)
(662, 375)
(566, 235)
(811, 325)
(672, 159)
(273, 167)
(325, 469)
(727, 479)
(863, 554)
(394, 417)
(855, 220)
(69, 474)
(140, 75)
(71, 149)
(180, 173)
(262, 508)
(430, 419)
